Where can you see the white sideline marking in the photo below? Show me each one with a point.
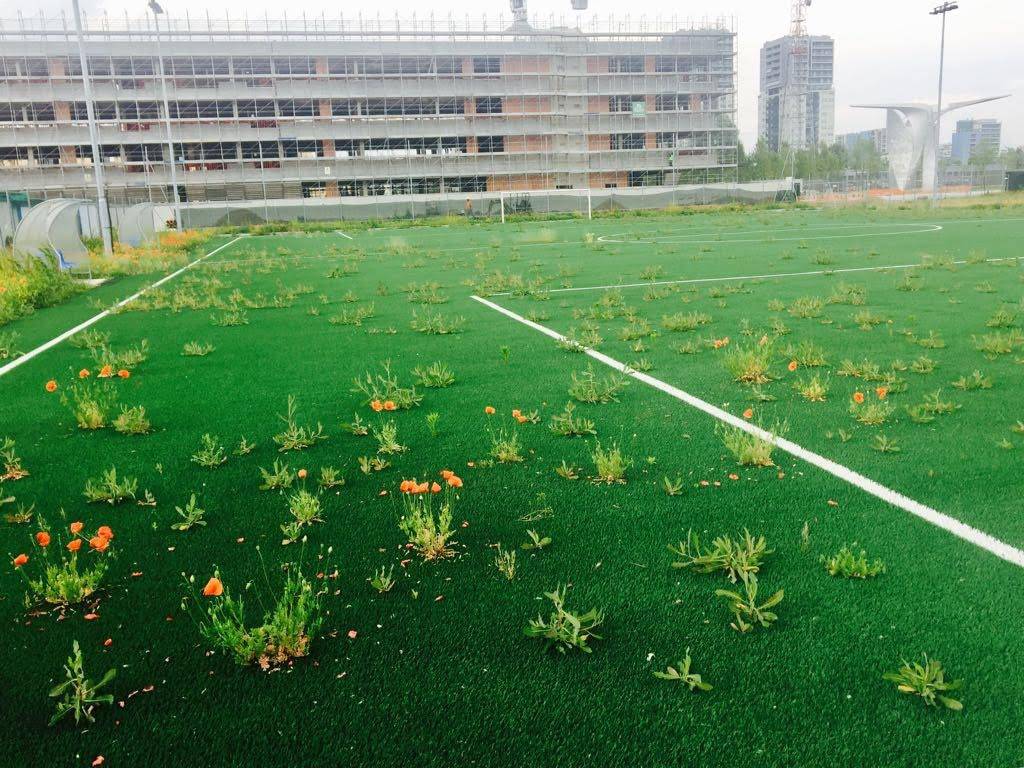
(772, 276)
(685, 238)
(96, 318)
(339, 232)
(951, 524)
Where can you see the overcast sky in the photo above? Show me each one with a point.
(886, 50)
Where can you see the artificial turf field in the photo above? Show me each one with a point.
(439, 672)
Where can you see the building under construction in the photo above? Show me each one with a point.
(285, 109)
(796, 102)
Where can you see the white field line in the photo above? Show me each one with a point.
(339, 232)
(4, 370)
(950, 524)
(716, 236)
(772, 276)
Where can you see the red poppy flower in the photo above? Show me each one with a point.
(74, 545)
(213, 588)
(20, 560)
(43, 539)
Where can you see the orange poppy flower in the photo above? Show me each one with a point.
(516, 413)
(748, 414)
(406, 486)
(105, 532)
(389, 405)
(124, 374)
(43, 539)
(423, 487)
(84, 373)
(20, 560)
(302, 474)
(489, 410)
(435, 488)
(377, 405)
(51, 386)
(99, 543)
(858, 397)
(881, 392)
(74, 545)
(446, 473)
(105, 372)
(792, 365)
(521, 419)
(213, 588)
(455, 481)
(76, 527)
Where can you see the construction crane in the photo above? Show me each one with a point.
(798, 18)
(799, 72)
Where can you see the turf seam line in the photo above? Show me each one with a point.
(939, 519)
(772, 276)
(96, 318)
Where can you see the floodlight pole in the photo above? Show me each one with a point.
(155, 8)
(940, 10)
(97, 160)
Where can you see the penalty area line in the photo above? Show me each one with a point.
(939, 519)
(5, 369)
(769, 276)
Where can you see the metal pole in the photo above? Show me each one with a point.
(97, 160)
(941, 10)
(175, 199)
(938, 112)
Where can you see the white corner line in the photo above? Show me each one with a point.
(939, 519)
(770, 276)
(5, 369)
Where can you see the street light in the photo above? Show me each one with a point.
(97, 159)
(940, 10)
(155, 8)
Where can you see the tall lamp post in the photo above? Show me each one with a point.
(154, 6)
(940, 10)
(97, 159)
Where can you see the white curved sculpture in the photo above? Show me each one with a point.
(54, 225)
(911, 138)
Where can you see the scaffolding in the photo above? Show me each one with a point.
(308, 108)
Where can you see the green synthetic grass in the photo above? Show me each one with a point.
(453, 680)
